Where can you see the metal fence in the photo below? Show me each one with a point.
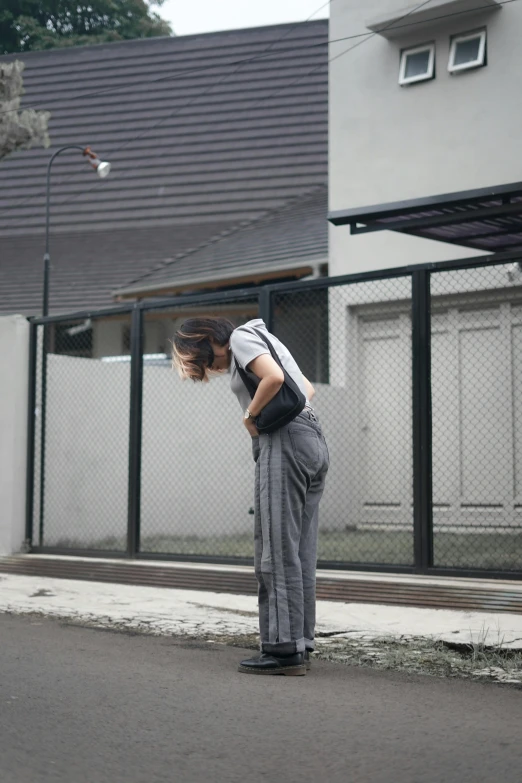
(418, 374)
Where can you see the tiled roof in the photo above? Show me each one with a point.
(86, 266)
(284, 240)
(220, 141)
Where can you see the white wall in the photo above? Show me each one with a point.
(14, 344)
(389, 143)
(86, 466)
(108, 336)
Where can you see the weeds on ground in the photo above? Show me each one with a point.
(436, 657)
(480, 659)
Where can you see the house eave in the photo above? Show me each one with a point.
(182, 285)
(400, 22)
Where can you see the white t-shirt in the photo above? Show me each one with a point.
(247, 345)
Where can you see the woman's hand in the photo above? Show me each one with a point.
(251, 427)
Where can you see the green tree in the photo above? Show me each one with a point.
(26, 25)
(18, 129)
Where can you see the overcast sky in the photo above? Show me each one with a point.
(203, 16)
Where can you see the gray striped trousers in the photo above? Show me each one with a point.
(291, 467)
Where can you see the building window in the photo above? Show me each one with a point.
(418, 64)
(467, 51)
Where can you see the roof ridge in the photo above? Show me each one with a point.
(157, 38)
(233, 229)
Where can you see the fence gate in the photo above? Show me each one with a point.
(418, 373)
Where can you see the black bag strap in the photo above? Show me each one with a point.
(249, 383)
(271, 348)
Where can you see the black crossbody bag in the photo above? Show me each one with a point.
(287, 403)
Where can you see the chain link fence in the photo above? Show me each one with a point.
(82, 434)
(476, 348)
(355, 340)
(196, 469)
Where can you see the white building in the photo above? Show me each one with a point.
(444, 131)
(423, 102)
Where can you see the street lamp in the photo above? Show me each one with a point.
(102, 168)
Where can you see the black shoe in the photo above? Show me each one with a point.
(307, 660)
(291, 665)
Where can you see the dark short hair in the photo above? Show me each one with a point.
(192, 352)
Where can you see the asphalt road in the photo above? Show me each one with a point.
(84, 706)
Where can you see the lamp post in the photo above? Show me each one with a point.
(103, 169)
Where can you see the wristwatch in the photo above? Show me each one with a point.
(248, 415)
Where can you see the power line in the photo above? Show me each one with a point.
(395, 24)
(187, 71)
(181, 73)
(368, 37)
(209, 89)
(387, 27)
(176, 112)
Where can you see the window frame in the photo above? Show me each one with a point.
(481, 60)
(404, 80)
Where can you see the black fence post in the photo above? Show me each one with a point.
(31, 412)
(135, 427)
(43, 428)
(422, 422)
(265, 306)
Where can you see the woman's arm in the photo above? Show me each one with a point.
(310, 391)
(271, 379)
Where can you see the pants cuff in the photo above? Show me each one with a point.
(284, 648)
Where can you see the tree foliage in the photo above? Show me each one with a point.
(18, 129)
(26, 25)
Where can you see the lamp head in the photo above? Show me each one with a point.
(101, 167)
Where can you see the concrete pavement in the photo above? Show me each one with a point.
(197, 613)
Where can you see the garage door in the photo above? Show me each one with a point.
(477, 417)
(385, 421)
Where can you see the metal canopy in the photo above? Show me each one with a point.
(489, 219)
